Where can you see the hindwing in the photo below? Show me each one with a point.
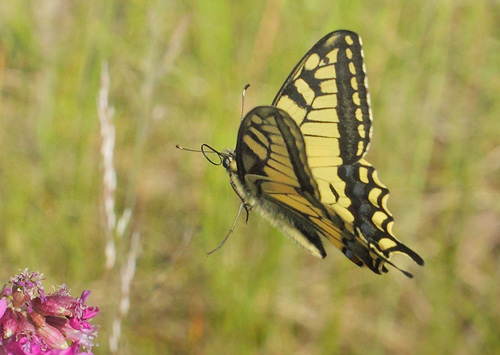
(371, 220)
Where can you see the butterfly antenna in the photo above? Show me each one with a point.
(188, 149)
(205, 149)
(243, 99)
(230, 231)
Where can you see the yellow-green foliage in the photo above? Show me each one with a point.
(434, 74)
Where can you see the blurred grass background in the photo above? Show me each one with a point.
(177, 69)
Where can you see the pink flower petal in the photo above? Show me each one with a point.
(3, 307)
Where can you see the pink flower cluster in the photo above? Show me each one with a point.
(32, 322)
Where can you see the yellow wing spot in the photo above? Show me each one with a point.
(389, 227)
(326, 72)
(288, 170)
(376, 179)
(349, 228)
(258, 120)
(373, 196)
(321, 162)
(257, 148)
(328, 86)
(325, 115)
(339, 186)
(325, 101)
(349, 40)
(303, 208)
(316, 150)
(352, 68)
(260, 136)
(284, 160)
(324, 173)
(384, 202)
(326, 168)
(363, 175)
(293, 195)
(325, 129)
(378, 218)
(386, 243)
(270, 129)
(348, 53)
(279, 149)
(332, 56)
(281, 177)
(324, 142)
(327, 196)
(354, 83)
(361, 131)
(359, 114)
(312, 62)
(305, 90)
(355, 99)
(361, 148)
(344, 201)
(343, 213)
(295, 111)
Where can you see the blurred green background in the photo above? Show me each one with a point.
(177, 69)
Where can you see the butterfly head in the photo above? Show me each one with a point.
(227, 158)
(228, 161)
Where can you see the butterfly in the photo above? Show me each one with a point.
(300, 161)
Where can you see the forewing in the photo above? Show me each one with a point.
(271, 160)
(326, 95)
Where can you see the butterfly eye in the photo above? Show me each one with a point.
(226, 162)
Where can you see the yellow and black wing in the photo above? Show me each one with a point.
(305, 155)
(369, 235)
